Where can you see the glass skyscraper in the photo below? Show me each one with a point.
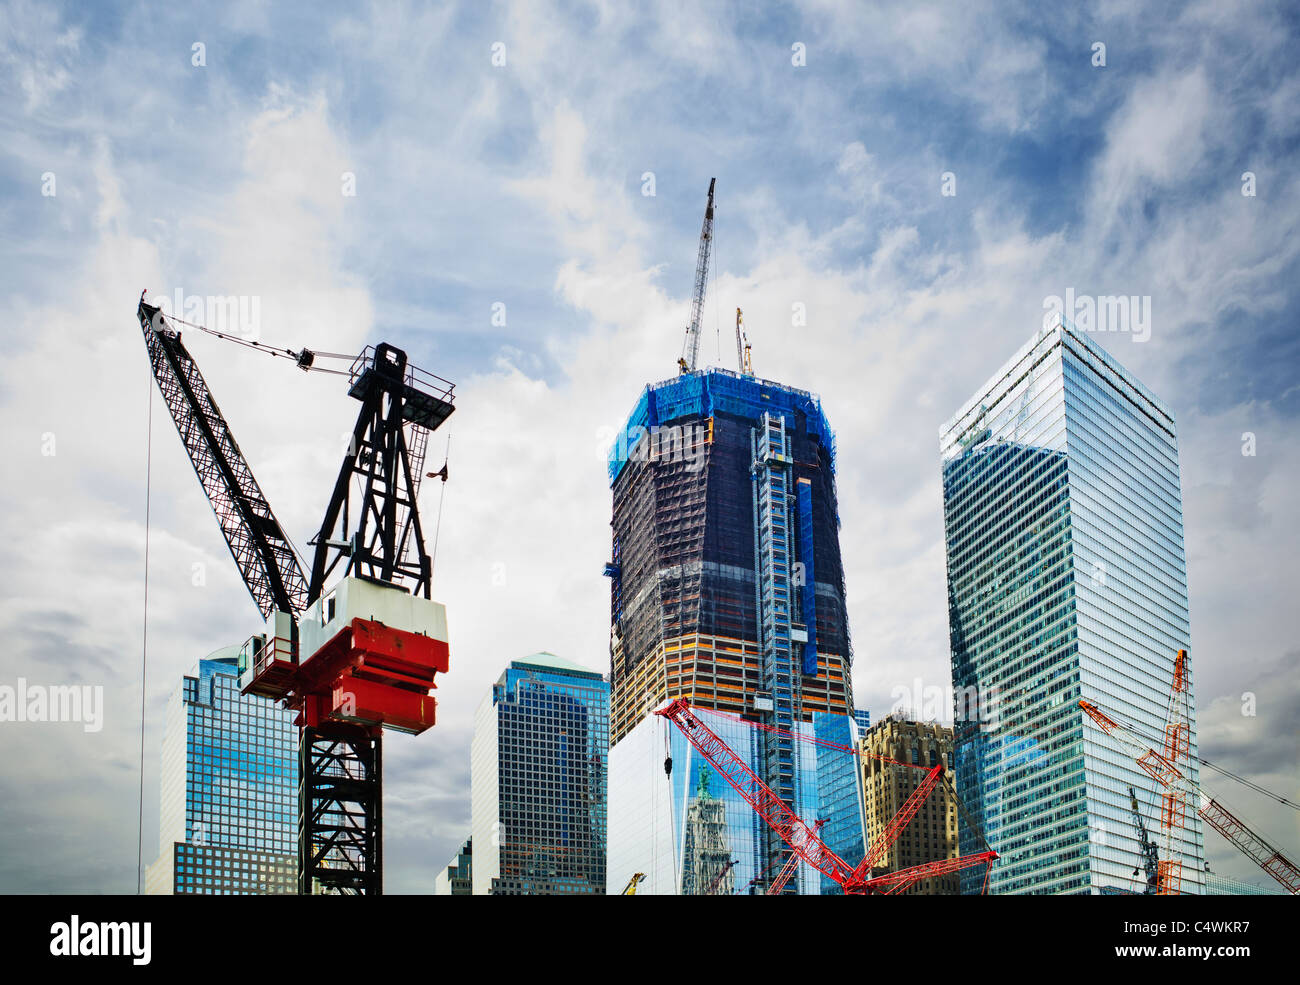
(538, 775)
(1066, 580)
(229, 781)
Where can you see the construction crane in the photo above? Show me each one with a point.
(1150, 856)
(691, 347)
(630, 888)
(742, 348)
(799, 836)
(1175, 781)
(355, 648)
(792, 864)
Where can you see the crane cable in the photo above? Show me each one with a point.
(144, 641)
(303, 358)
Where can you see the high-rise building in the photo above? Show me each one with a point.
(727, 589)
(1066, 580)
(538, 780)
(1217, 885)
(229, 787)
(931, 835)
(456, 877)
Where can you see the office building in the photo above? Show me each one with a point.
(1217, 885)
(538, 781)
(1066, 580)
(229, 786)
(931, 835)
(727, 589)
(456, 877)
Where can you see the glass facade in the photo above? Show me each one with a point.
(1066, 580)
(539, 768)
(228, 821)
(680, 826)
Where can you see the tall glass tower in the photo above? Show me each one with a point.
(229, 789)
(538, 773)
(1067, 579)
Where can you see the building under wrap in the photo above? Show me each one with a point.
(727, 589)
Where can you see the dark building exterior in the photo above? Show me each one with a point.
(727, 588)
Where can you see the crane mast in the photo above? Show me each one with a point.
(742, 348)
(691, 347)
(1164, 772)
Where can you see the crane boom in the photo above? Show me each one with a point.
(792, 864)
(791, 829)
(691, 347)
(256, 540)
(1215, 814)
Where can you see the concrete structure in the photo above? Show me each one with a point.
(456, 879)
(538, 781)
(932, 833)
(228, 819)
(1066, 580)
(727, 588)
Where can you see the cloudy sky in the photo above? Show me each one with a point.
(500, 157)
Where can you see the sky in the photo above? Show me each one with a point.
(512, 192)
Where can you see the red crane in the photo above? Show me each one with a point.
(788, 870)
(804, 840)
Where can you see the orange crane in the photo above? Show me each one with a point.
(1179, 789)
(803, 840)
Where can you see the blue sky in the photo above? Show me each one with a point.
(521, 185)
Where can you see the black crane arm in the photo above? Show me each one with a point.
(257, 542)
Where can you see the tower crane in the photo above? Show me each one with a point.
(354, 648)
(691, 347)
(742, 348)
(803, 840)
(1176, 782)
(1150, 857)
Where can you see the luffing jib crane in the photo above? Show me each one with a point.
(691, 347)
(1176, 782)
(804, 840)
(354, 649)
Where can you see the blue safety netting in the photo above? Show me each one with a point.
(713, 391)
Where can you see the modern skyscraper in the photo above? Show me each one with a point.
(539, 773)
(931, 835)
(229, 787)
(1066, 580)
(456, 878)
(727, 589)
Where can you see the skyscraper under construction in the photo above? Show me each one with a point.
(727, 589)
